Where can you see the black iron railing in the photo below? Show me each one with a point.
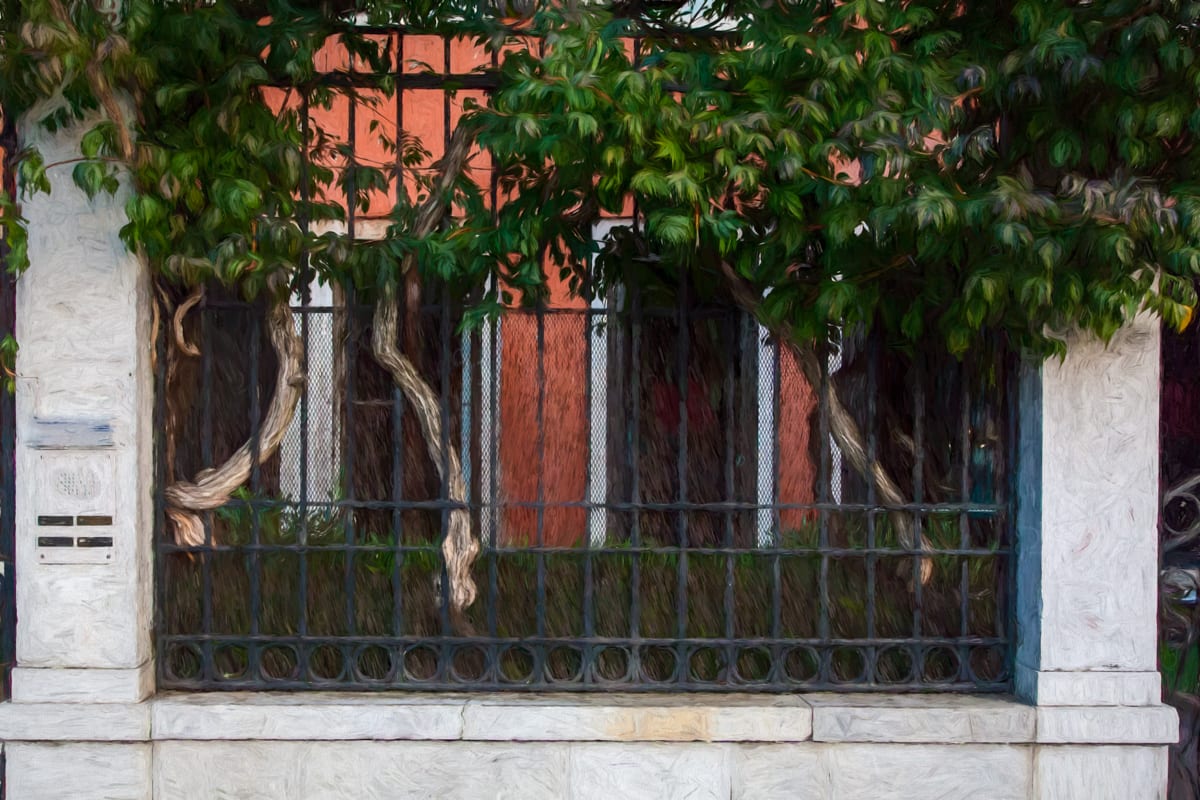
(660, 499)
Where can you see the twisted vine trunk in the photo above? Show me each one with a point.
(213, 487)
(459, 546)
(842, 425)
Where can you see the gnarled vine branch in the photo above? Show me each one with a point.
(842, 425)
(99, 80)
(213, 487)
(459, 547)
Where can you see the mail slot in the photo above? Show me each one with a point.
(94, 541)
(56, 541)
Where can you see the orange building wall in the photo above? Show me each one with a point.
(560, 466)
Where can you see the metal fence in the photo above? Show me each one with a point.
(660, 496)
(661, 502)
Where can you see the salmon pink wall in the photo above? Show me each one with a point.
(559, 465)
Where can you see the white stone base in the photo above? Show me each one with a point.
(1100, 773)
(79, 771)
(36, 685)
(1088, 688)
(247, 746)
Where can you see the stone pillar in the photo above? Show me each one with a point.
(1087, 523)
(1087, 540)
(84, 402)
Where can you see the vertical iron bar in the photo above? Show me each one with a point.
(871, 655)
(540, 540)
(399, 165)
(305, 280)
(399, 451)
(634, 461)
(683, 355)
(447, 501)
(1006, 618)
(348, 554)
(918, 479)
(206, 457)
(776, 517)
(732, 323)
(635, 533)
(255, 562)
(444, 369)
(964, 523)
(823, 490)
(588, 589)
(494, 353)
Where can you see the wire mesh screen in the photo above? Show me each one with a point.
(660, 495)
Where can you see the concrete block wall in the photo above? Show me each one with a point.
(1085, 722)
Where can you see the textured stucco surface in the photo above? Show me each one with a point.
(77, 771)
(589, 770)
(1094, 688)
(271, 770)
(1087, 517)
(1100, 773)
(365, 770)
(83, 316)
(370, 746)
(830, 718)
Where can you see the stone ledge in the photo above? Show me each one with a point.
(964, 719)
(324, 718)
(75, 722)
(626, 718)
(78, 685)
(828, 718)
(1088, 688)
(913, 719)
(1107, 725)
(549, 718)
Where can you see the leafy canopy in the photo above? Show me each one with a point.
(954, 171)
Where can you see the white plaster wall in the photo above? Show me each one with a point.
(83, 318)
